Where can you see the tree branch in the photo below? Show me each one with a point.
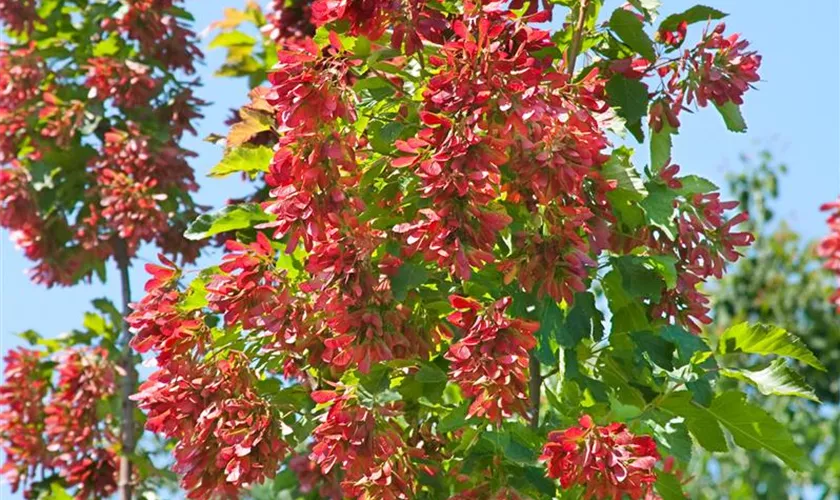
(574, 49)
(534, 389)
(129, 379)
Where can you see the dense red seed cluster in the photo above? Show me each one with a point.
(289, 21)
(161, 35)
(608, 460)
(704, 243)
(719, 69)
(22, 419)
(829, 248)
(312, 479)
(82, 444)
(490, 360)
(18, 14)
(227, 435)
(127, 83)
(366, 445)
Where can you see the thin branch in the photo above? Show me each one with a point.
(577, 34)
(129, 380)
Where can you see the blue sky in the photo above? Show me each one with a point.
(795, 112)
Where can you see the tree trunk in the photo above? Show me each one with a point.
(129, 380)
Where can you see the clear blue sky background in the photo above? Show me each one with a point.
(795, 112)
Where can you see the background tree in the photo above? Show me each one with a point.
(781, 281)
(94, 99)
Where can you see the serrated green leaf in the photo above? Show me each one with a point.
(631, 31)
(660, 147)
(750, 426)
(696, 14)
(777, 379)
(629, 97)
(228, 218)
(732, 117)
(247, 159)
(753, 428)
(766, 339)
(694, 184)
(551, 322)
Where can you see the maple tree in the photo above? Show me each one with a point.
(450, 282)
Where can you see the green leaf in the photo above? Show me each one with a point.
(430, 374)
(701, 424)
(620, 169)
(668, 486)
(766, 339)
(732, 117)
(377, 380)
(108, 47)
(551, 323)
(660, 147)
(659, 208)
(750, 426)
(628, 313)
(409, 277)
(694, 184)
(229, 218)
(629, 97)
(687, 344)
(777, 379)
(584, 320)
(674, 437)
(753, 428)
(646, 276)
(232, 38)
(248, 159)
(629, 191)
(382, 137)
(630, 29)
(454, 420)
(658, 349)
(196, 295)
(696, 14)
